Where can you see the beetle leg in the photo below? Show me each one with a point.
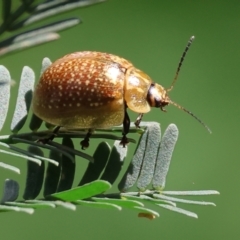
(85, 142)
(126, 127)
(138, 120)
(51, 137)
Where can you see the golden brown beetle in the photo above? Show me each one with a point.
(90, 90)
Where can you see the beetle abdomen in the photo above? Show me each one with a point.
(82, 90)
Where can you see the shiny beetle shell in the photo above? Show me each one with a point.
(92, 90)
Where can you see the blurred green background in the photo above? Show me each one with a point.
(152, 34)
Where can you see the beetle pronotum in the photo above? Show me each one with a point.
(92, 90)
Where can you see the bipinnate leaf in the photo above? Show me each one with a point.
(179, 210)
(35, 174)
(53, 174)
(24, 99)
(5, 84)
(35, 122)
(132, 173)
(10, 191)
(6, 10)
(124, 203)
(9, 167)
(43, 30)
(46, 62)
(95, 169)
(167, 145)
(98, 204)
(150, 156)
(35, 204)
(23, 153)
(4, 208)
(115, 163)
(83, 192)
(30, 42)
(47, 12)
(67, 168)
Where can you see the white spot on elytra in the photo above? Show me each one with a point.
(134, 81)
(113, 73)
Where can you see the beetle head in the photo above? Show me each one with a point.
(157, 96)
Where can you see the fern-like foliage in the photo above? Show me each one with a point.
(147, 171)
(36, 11)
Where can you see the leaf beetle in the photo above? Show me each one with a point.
(92, 90)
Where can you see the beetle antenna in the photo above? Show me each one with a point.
(181, 61)
(190, 113)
